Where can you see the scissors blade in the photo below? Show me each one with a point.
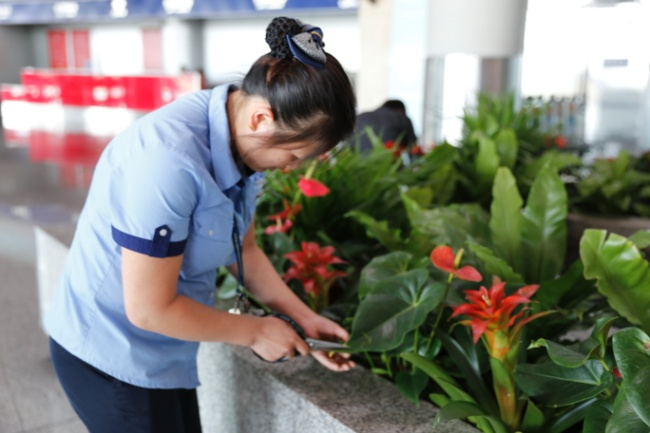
(328, 346)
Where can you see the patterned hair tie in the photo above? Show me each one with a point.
(289, 37)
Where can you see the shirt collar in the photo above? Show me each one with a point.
(225, 169)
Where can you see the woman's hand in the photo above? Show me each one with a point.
(322, 328)
(274, 339)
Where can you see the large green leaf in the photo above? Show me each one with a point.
(462, 352)
(394, 308)
(544, 232)
(632, 353)
(566, 291)
(533, 419)
(597, 417)
(572, 416)
(555, 385)
(446, 225)
(507, 147)
(505, 218)
(390, 238)
(624, 419)
(622, 274)
(463, 409)
(495, 265)
(641, 239)
(382, 267)
(411, 383)
(485, 165)
(572, 356)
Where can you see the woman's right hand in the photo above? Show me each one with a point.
(274, 339)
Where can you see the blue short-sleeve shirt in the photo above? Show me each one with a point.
(168, 185)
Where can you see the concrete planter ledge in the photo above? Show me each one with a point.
(240, 393)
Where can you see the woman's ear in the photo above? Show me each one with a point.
(261, 117)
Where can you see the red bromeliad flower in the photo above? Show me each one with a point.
(443, 258)
(283, 220)
(312, 187)
(490, 313)
(311, 266)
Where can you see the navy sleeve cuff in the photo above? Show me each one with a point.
(159, 246)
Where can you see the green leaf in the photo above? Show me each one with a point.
(411, 383)
(485, 165)
(446, 225)
(390, 238)
(380, 268)
(622, 274)
(461, 410)
(533, 419)
(638, 393)
(423, 196)
(505, 217)
(464, 356)
(392, 309)
(570, 288)
(570, 417)
(597, 417)
(439, 400)
(544, 232)
(641, 239)
(507, 147)
(227, 289)
(495, 265)
(632, 354)
(555, 385)
(575, 355)
(438, 375)
(624, 418)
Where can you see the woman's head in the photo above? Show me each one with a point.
(308, 91)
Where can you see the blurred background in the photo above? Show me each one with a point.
(75, 73)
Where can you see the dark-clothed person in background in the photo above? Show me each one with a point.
(389, 122)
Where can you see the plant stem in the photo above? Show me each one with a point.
(441, 308)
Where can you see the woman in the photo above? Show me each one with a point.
(168, 200)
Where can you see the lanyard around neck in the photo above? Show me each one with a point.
(242, 303)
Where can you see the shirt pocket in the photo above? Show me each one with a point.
(209, 243)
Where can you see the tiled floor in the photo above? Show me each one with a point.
(31, 399)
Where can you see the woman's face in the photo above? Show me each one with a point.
(259, 156)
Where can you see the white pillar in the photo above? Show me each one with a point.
(375, 29)
(473, 46)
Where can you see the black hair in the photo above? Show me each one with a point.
(395, 104)
(310, 104)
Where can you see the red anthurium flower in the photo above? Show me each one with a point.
(312, 187)
(444, 259)
(283, 219)
(491, 316)
(560, 142)
(281, 227)
(616, 372)
(416, 151)
(289, 211)
(311, 266)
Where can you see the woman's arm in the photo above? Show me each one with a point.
(152, 303)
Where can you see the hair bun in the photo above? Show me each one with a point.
(276, 33)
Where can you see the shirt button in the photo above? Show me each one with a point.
(210, 232)
(163, 232)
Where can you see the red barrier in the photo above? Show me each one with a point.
(50, 113)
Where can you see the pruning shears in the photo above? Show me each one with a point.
(313, 343)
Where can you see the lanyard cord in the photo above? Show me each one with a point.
(236, 242)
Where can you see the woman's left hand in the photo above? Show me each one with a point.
(322, 328)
